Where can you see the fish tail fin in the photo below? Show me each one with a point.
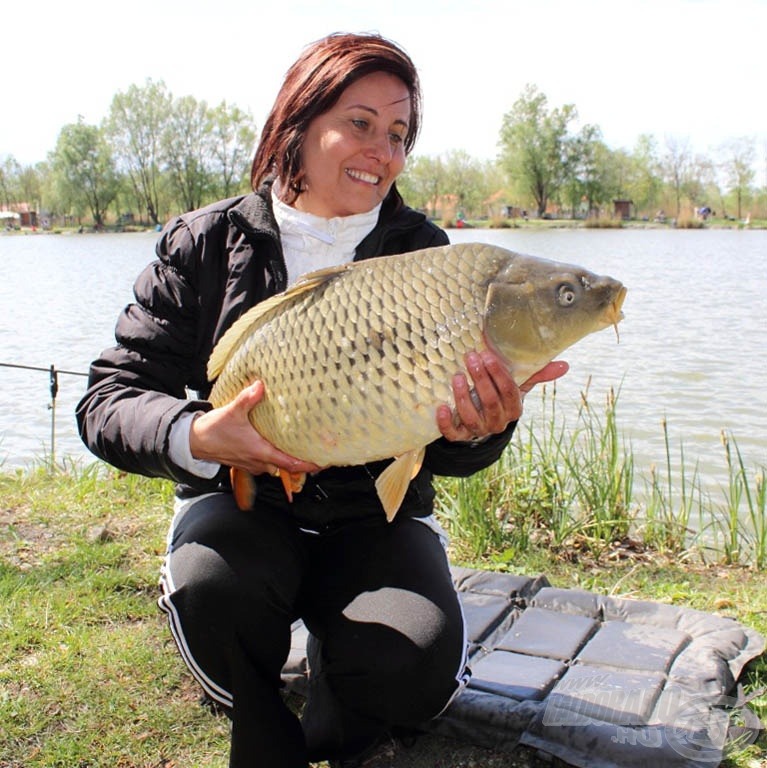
(393, 482)
(243, 488)
(292, 482)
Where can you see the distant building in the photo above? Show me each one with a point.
(20, 213)
(444, 207)
(622, 209)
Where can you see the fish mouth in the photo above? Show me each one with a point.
(614, 313)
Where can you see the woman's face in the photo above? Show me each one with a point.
(353, 153)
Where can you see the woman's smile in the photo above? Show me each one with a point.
(354, 152)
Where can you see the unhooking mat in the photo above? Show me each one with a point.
(596, 681)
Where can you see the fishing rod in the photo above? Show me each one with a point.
(53, 383)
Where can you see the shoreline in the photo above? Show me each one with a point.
(515, 223)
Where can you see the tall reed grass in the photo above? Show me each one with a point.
(561, 485)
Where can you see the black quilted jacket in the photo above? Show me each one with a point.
(212, 265)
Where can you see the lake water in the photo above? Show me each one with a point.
(691, 346)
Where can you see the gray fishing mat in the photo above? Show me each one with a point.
(596, 681)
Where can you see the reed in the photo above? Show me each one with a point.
(559, 487)
(670, 500)
(602, 470)
(743, 531)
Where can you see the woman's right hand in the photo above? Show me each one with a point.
(225, 435)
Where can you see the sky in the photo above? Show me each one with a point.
(689, 69)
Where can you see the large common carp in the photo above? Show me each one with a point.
(355, 359)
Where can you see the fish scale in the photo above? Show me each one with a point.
(356, 359)
(372, 333)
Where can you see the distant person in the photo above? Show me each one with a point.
(387, 645)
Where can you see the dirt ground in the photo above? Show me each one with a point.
(435, 752)
(431, 751)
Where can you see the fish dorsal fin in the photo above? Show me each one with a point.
(258, 314)
(393, 482)
(320, 276)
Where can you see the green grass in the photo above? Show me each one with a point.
(88, 675)
(90, 678)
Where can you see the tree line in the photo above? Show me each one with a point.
(154, 155)
(545, 165)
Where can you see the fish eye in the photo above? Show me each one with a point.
(566, 295)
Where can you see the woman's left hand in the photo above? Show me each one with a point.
(494, 401)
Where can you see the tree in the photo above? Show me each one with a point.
(701, 186)
(589, 174)
(533, 143)
(676, 165)
(497, 199)
(10, 171)
(423, 183)
(186, 151)
(643, 183)
(465, 180)
(738, 166)
(21, 184)
(84, 171)
(233, 146)
(428, 181)
(30, 184)
(136, 124)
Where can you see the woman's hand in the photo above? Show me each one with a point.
(494, 401)
(225, 435)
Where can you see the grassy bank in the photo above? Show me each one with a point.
(89, 676)
(606, 222)
(534, 223)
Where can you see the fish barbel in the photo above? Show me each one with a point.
(356, 359)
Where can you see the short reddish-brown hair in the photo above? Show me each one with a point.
(312, 86)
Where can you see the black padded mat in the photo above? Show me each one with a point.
(597, 681)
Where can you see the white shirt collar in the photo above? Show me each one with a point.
(312, 242)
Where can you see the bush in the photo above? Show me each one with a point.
(502, 222)
(686, 222)
(594, 223)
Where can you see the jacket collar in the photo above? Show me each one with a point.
(253, 215)
(395, 217)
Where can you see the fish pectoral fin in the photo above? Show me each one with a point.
(393, 482)
(292, 482)
(243, 488)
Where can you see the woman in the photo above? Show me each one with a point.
(387, 643)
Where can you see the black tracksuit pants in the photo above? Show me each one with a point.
(377, 597)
